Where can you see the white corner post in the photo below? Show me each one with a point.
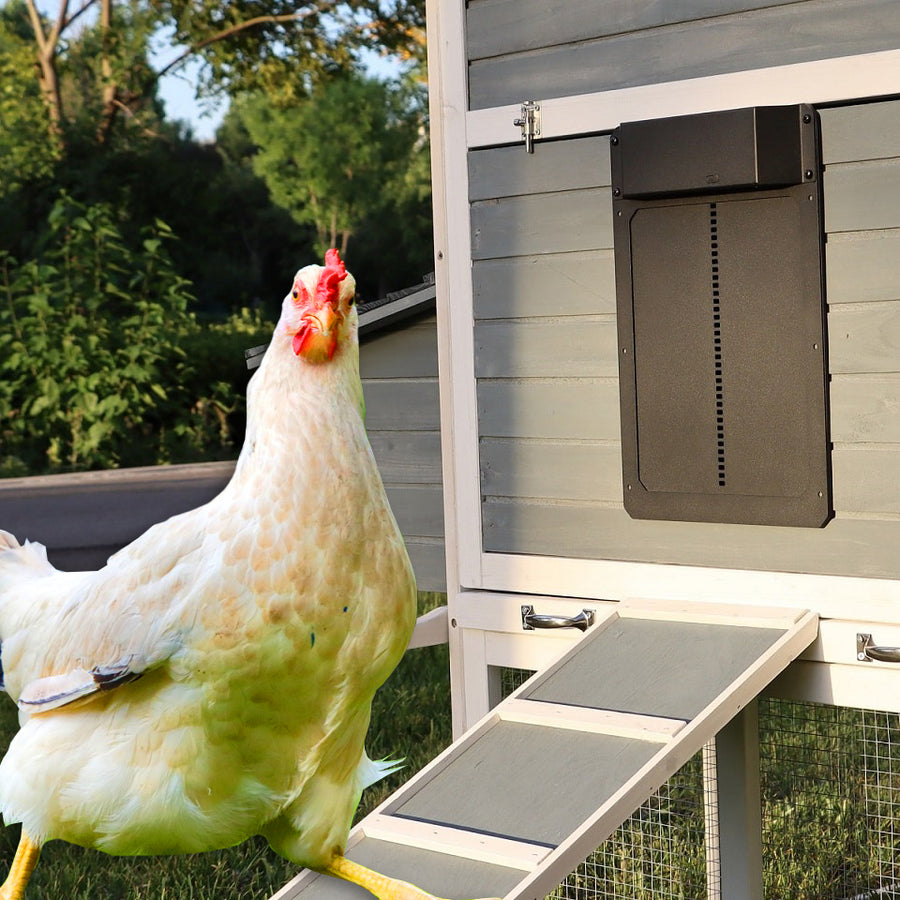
(733, 810)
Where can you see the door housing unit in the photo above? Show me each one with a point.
(718, 228)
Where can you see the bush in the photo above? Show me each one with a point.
(95, 369)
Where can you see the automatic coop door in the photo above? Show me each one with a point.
(718, 230)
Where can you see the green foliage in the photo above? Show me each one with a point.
(93, 364)
(349, 159)
(97, 81)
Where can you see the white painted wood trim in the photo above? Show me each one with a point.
(839, 685)
(472, 700)
(819, 81)
(739, 813)
(455, 841)
(836, 642)
(502, 611)
(296, 885)
(527, 649)
(593, 721)
(462, 510)
(431, 628)
(710, 613)
(832, 596)
(456, 340)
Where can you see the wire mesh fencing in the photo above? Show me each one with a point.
(830, 802)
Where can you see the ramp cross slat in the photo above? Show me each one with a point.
(515, 804)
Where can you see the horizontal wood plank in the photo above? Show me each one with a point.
(407, 457)
(867, 479)
(567, 165)
(555, 470)
(556, 409)
(597, 721)
(666, 609)
(793, 33)
(846, 546)
(429, 564)
(561, 348)
(497, 27)
(865, 408)
(861, 131)
(419, 509)
(409, 352)
(543, 223)
(864, 338)
(402, 405)
(863, 196)
(862, 266)
(550, 284)
(468, 844)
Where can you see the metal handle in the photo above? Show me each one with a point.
(866, 651)
(532, 620)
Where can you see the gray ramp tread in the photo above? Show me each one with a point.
(556, 767)
(652, 667)
(441, 874)
(520, 775)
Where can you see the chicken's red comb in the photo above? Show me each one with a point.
(330, 278)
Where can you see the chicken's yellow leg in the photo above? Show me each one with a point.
(20, 871)
(380, 885)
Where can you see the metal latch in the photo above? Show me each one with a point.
(529, 121)
(531, 620)
(866, 650)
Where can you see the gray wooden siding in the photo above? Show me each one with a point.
(520, 49)
(84, 518)
(546, 363)
(400, 384)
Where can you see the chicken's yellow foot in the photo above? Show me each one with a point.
(381, 886)
(20, 871)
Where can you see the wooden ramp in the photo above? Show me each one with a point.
(523, 797)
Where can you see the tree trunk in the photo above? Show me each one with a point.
(334, 228)
(48, 77)
(108, 105)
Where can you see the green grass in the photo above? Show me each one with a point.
(410, 720)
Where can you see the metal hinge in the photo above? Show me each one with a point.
(529, 121)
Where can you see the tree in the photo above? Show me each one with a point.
(102, 47)
(352, 151)
(27, 150)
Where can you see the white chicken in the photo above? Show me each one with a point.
(214, 680)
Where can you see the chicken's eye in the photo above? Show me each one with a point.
(352, 301)
(295, 294)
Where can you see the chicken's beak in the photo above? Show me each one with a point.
(316, 340)
(327, 319)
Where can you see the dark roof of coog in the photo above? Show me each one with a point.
(377, 315)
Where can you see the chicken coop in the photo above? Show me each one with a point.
(668, 277)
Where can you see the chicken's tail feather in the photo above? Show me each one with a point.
(371, 770)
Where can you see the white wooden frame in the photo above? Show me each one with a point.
(455, 131)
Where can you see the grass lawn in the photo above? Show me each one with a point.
(410, 719)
